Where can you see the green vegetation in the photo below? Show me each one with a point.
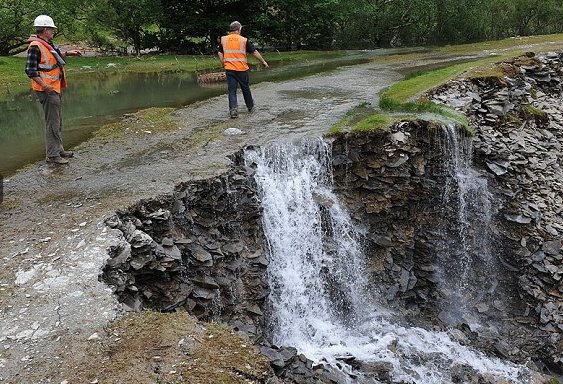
(352, 117)
(529, 112)
(401, 97)
(140, 123)
(372, 123)
(404, 96)
(193, 27)
(422, 106)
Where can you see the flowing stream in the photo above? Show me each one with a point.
(321, 302)
(95, 99)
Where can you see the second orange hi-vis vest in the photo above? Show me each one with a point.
(234, 52)
(49, 70)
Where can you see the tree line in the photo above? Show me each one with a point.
(194, 27)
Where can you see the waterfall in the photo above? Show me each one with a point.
(315, 245)
(320, 300)
(464, 250)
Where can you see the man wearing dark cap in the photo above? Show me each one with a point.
(233, 54)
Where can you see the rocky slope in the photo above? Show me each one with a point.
(518, 120)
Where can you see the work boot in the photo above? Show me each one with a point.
(234, 113)
(251, 109)
(57, 160)
(66, 154)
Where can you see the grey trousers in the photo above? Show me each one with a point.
(52, 107)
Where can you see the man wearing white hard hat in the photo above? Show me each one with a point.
(45, 67)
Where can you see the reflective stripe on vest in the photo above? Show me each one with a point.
(48, 65)
(234, 52)
(49, 70)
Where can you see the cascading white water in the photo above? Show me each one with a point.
(465, 255)
(321, 303)
(316, 243)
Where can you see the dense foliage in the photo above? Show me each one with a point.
(195, 26)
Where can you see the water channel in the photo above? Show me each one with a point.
(95, 99)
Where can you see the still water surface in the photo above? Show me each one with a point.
(94, 100)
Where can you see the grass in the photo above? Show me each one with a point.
(404, 96)
(351, 118)
(529, 112)
(143, 122)
(373, 122)
(151, 347)
(512, 46)
(541, 41)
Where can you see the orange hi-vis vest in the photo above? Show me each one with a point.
(49, 70)
(234, 52)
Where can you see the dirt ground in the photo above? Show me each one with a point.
(53, 309)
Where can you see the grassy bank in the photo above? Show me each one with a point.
(481, 60)
(407, 90)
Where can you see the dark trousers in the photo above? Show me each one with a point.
(52, 107)
(235, 78)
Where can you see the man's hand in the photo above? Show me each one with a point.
(73, 52)
(48, 88)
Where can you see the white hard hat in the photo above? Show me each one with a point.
(44, 21)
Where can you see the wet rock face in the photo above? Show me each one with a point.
(519, 136)
(391, 181)
(201, 250)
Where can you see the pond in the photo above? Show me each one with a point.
(95, 99)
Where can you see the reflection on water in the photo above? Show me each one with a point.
(93, 100)
(90, 102)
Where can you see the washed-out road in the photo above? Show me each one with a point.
(53, 241)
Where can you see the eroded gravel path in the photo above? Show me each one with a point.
(53, 242)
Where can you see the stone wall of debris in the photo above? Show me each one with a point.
(518, 123)
(200, 250)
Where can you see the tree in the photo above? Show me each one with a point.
(195, 26)
(132, 21)
(16, 20)
(536, 16)
(461, 21)
(383, 23)
(297, 24)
